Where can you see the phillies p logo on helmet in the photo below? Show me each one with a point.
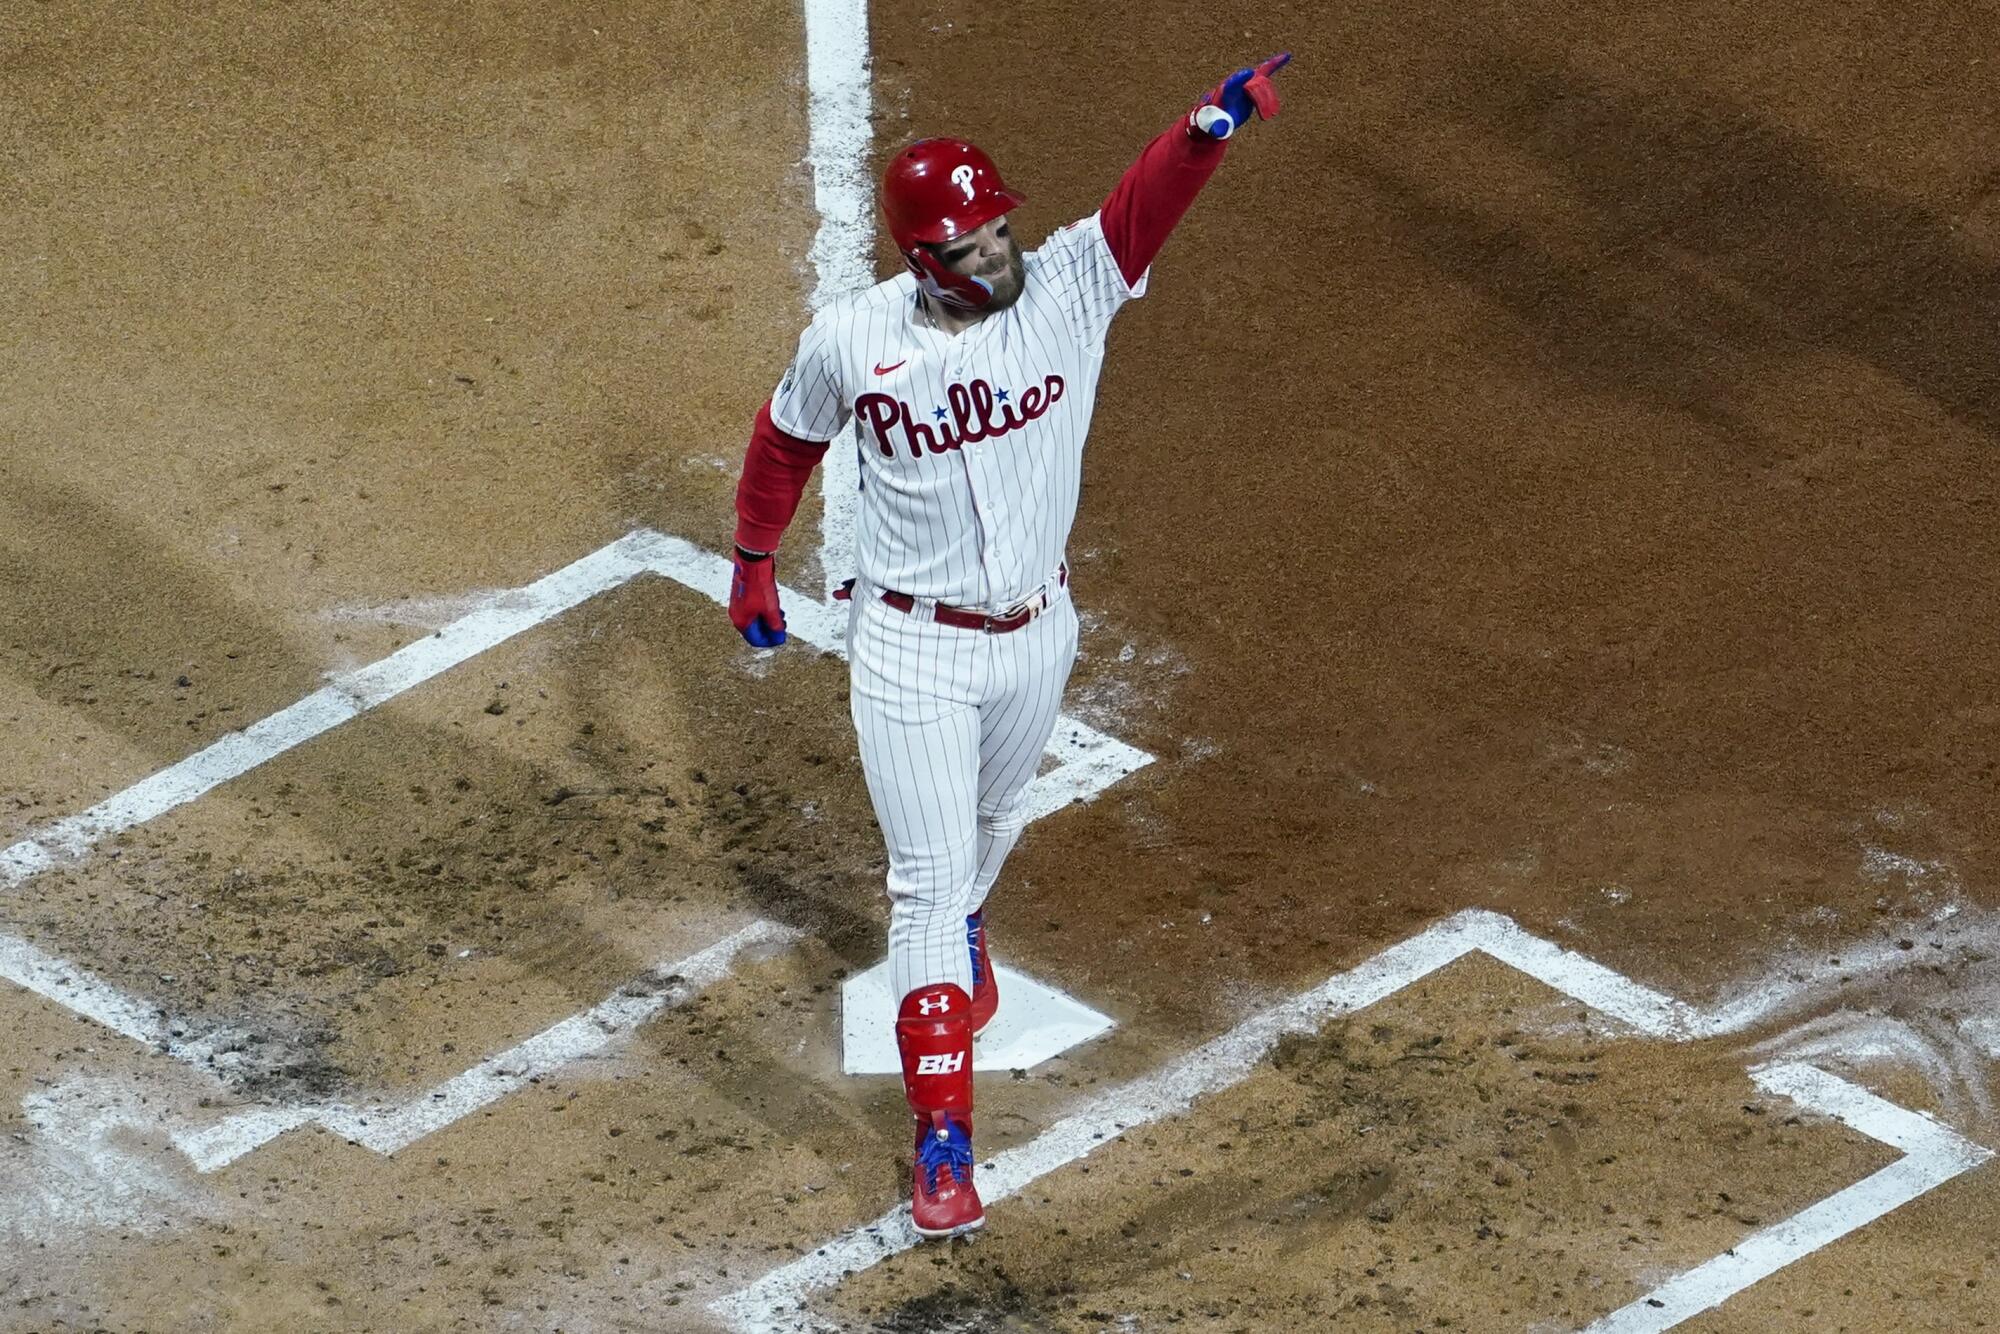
(938, 189)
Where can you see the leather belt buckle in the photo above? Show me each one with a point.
(1001, 624)
(1020, 614)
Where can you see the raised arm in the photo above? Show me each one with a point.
(1148, 201)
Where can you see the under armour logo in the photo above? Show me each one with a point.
(961, 176)
(938, 1004)
(949, 1064)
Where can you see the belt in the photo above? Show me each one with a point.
(998, 623)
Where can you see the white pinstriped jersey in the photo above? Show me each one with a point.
(971, 445)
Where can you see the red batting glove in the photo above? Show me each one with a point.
(1236, 98)
(753, 600)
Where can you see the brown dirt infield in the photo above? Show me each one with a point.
(1554, 471)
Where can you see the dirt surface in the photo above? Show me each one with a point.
(1414, 1168)
(1554, 471)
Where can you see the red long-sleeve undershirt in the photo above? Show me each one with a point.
(1143, 208)
(1138, 216)
(776, 468)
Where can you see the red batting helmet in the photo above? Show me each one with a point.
(935, 191)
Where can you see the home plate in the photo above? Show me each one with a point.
(1035, 1022)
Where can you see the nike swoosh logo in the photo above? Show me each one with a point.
(880, 369)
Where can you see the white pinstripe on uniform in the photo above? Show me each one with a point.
(971, 451)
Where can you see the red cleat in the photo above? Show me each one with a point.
(943, 1200)
(934, 1036)
(985, 989)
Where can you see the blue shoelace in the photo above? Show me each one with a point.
(954, 1150)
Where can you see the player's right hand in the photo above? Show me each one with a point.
(1247, 92)
(753, 600)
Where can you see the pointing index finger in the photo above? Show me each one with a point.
(1275, 63)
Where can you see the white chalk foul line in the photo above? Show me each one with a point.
(387, 1127)
(776, 1303)
(839, 131)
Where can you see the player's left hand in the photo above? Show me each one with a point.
(753, 601)
(1236, 98)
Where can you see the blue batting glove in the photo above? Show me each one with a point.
(753, 600)
(1237, 98)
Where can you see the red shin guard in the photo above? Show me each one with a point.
(934, 1036)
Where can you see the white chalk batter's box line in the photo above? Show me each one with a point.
(1086, 762)
(778, 1303)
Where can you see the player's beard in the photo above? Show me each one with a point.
(1008, 285)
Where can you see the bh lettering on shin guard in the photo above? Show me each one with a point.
(934, 1037)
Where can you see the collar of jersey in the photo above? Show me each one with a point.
(920, 322)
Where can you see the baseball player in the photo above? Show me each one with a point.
(966, 385)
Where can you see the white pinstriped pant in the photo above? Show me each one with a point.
(952, 725)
